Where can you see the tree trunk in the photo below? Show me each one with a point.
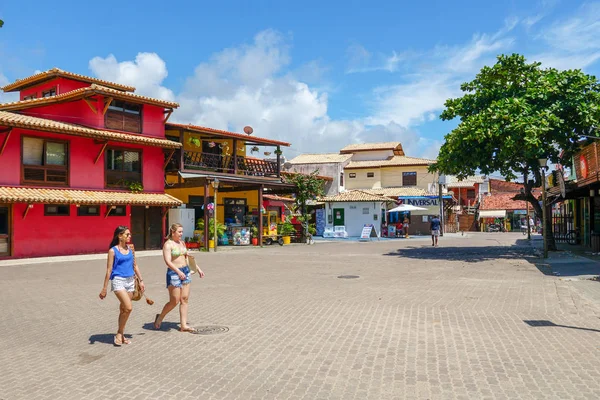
(548, 225)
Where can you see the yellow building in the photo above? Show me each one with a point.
(215, 160)
(384, 165)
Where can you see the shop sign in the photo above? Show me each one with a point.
(420, 201)
(583, 167)
(520, 212)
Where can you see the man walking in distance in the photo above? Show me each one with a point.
(435, 230)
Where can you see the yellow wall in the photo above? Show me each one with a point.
(184, 193)
(386, 177)
(361, 181)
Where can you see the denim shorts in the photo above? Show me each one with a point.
(123, 283)
(173, 278)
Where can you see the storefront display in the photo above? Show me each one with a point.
(240, 235)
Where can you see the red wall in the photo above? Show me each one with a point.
(84, 174)
(463, 200)
(37, 235)
(62, 86)
(75, 112)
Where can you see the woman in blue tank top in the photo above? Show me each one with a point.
(121, 270)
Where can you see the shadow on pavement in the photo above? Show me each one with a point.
(542, 323)
(106, 338)
(471, 254)
(165, 326)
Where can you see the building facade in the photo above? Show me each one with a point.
(80, 156)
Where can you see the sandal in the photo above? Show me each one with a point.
(156, 325)
(189, 329)
(117, 342)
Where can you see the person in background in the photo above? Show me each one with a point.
(405, 225)
(435, 225)
(121, 270)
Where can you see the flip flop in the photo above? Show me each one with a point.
(126, 341)
(156, 319)
(190, 330)
(117, 342)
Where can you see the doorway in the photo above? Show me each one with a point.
(146, 227)
(338, 217)
(5, 223)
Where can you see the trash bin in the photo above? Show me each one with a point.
(595, 242)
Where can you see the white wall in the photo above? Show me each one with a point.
(353, 216)
(331, 170)
(372, 155)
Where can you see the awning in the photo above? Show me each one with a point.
(492, 213)
(84, 197)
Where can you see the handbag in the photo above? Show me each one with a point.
(137, 292)
(192, 264)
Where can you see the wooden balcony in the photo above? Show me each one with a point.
(225, 164)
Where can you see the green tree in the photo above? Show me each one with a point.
(514, 113)
(1, 23)
(308, 187)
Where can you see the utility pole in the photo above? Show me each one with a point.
(441, 200)
(543, 162)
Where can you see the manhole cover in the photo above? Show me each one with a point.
(348, 276)
(211, 330)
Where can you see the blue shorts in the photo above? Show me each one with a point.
(173, 278)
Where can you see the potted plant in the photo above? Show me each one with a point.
(287, 229)
(221, 228)
(254, 149)
(254, 235)
(192, 243)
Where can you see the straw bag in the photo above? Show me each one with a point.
(192, 264)
(137, 292)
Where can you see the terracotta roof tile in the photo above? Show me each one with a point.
(277, 198)
(502, 201)
(396, 192)
(83, 197)
(320, 158)
(247, 138)
(47, 125)
(56, 72)
(390, 162)
(83, 93)
(370, 146)
(354, 195)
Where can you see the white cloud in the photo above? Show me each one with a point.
(573, 41)
(251, 85)
(7, 97)
(146, 73)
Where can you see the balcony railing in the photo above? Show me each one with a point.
(193, 160)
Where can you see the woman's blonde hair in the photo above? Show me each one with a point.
(173, 228)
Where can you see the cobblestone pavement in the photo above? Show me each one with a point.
(472, 319)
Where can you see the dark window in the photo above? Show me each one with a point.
(370, 174)
(409, 179)
(30, 97)
(352, 175)
(124, 116)
(57, 210)
(117, 211)
(49, 92)
(234, 209)
(470, 193)
(84, 211)
(342, 179)
(123, 167)
(44, 161)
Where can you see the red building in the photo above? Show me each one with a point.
(79, 156)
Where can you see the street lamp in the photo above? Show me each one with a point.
(527, 215)
(215, 185)
(543, 165)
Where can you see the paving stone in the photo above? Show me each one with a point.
(472, 319)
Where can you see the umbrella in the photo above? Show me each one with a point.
(406, 207)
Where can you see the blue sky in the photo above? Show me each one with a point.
(320, 74)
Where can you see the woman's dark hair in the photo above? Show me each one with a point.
(115, 240)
